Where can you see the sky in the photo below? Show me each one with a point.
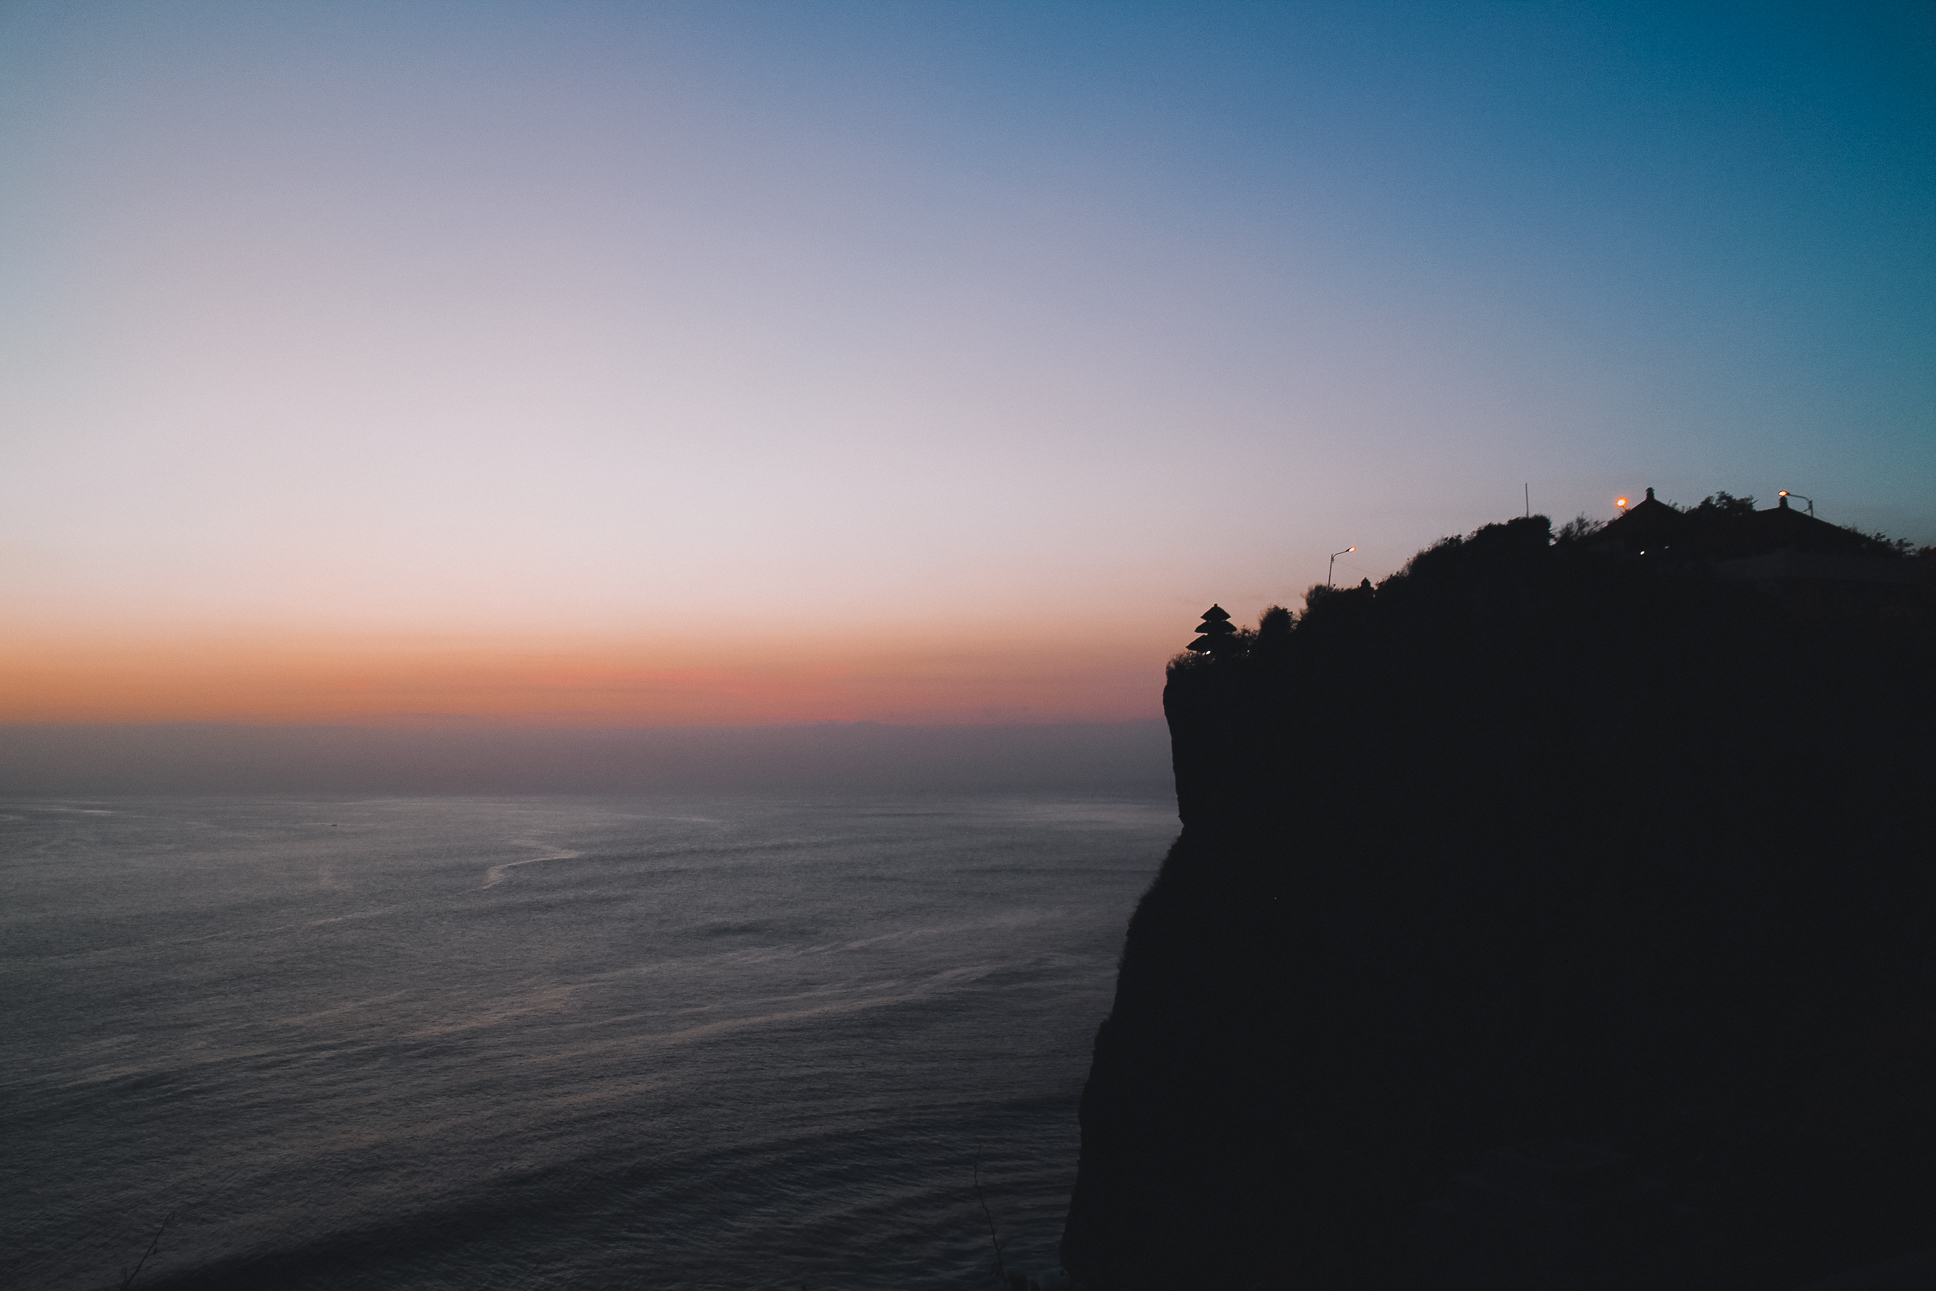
(921, 363)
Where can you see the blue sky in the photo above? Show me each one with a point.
(955, 333)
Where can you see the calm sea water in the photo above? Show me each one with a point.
(536, 1043)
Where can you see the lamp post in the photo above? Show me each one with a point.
(1811, 501)
(1332, 567)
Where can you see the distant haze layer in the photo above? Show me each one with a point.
(1108, 758)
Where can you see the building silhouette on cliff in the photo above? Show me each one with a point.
(1809, 563)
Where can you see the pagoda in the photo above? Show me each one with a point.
(1216, 634)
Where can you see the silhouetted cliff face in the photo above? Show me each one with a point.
(1531, 842)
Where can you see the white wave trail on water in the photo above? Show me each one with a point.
(495, 875)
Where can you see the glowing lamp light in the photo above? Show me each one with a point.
(1621, 503)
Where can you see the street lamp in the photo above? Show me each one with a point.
(1811, 501)
(1332, 568)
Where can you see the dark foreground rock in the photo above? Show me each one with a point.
(1549, 915)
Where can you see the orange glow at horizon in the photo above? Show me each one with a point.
(588, 683)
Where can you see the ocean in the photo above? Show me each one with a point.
(545, 1042)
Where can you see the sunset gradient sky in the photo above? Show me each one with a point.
(738, 363)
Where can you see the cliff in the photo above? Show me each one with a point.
(1550, 912)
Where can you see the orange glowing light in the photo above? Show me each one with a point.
(1621, 503)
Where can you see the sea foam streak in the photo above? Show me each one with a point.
(495, 875)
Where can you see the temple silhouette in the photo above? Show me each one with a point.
(1810, 563)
